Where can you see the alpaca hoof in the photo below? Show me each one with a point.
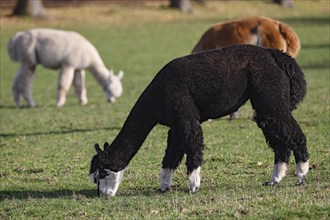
(301, 181)
(111, 100)
(32, 105)
(194, 190)
(270, 183)
(18, 105)
(233, 116)
(165, 190)
(83, 102)
(60, 103)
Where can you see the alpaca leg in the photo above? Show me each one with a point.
(80, 88)
(27, 87)
(22, 85)
(233, 116)
(278, 133)
(173, 157)
(17, 88)
(280, 167)
(300, 153)
(64, 83)
(191, 135)
(283, 134)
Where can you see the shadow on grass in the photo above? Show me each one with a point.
(80, 194)
(11, 107)
(57, 132)
(25, 195)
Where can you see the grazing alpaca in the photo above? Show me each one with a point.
(256, 30)
(210, 85)
(57, 49)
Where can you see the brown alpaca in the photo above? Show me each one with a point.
(255, 30)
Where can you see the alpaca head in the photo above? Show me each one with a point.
(114, 87)
(107, 181)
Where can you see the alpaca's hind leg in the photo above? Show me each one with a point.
(64, 83)
(280, 166)
(17, 88)
(173, 157)
(191, 135)
(27, 87)
(283, 134)
(233, 116)
(275, 129)
(300, 153)
(79, 85)
(22, 85)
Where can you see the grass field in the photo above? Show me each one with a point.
(45, 151)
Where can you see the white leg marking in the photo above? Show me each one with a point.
(279, 172)
(194, 180)
(166, 179)
(301, 171)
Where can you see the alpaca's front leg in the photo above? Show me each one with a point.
(64, 83)
(80, 88)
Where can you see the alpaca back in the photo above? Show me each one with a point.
(56, 47)
(254, 30)
(53, 48)
(228, 33)
(294, 72)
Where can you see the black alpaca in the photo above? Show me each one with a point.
(210, 85)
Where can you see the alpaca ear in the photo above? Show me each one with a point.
(106, 146)
(121, 74)
(98, 149)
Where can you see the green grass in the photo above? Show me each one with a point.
(45, 151)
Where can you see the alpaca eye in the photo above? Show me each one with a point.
(102, 174)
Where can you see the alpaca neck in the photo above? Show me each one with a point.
(100, 73)
(136, 128)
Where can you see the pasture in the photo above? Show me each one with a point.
(45, 151)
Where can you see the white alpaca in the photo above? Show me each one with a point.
(56, 49)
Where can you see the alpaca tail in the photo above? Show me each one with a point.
(292, 39)
(294, 72)
(12, 46)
